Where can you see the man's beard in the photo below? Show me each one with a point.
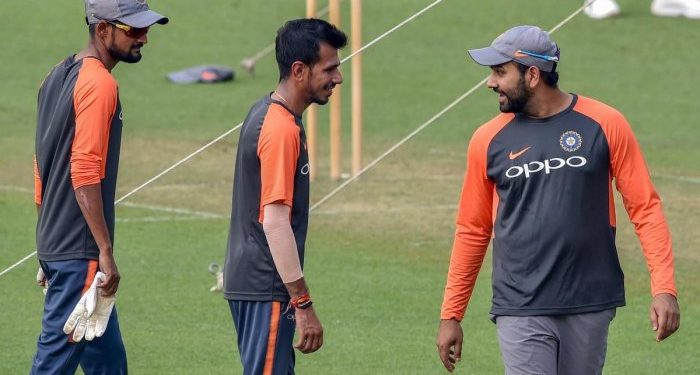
(516, 100)
(126, 57)
(321, 99)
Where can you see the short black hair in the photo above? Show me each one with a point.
(549, 78)
(91, 29)
(300, 40)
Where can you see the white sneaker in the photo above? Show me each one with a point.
(676, 8)
(601, 9)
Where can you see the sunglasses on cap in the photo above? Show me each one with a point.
(538, 55)
(131, 32)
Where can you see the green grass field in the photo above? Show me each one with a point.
(378, 252)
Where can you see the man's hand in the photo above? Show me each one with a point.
(665, 315)
(309, 329)
(41, 280)
(110, 283)
(449, 343)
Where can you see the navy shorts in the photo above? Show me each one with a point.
(265, 333)
(56, 352)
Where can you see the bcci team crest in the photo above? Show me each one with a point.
(570, 141)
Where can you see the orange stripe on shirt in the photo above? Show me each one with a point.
(474, 222)
(278, 151)
(272, 338)
(633, 181)
(95, 102)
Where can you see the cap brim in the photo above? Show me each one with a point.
(488, 56)
(144, 19)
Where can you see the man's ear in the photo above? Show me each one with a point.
(298, 71)
(102, 29)
(533, 73)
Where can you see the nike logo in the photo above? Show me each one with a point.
(514, 155)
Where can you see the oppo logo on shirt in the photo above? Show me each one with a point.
(546, 166)
(305, 169)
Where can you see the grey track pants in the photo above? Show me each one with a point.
(554, 345)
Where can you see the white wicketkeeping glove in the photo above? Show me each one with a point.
(219, 274)
(97, 323)
(90, 316)
(219, 283)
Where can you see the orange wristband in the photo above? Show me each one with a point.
(301, 302)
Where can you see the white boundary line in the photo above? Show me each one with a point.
(394, 209)
(8, 269)
(194, 214)
(16, 188)
(20, 189)
(188, 157)
(202, 214)
(339, 211)
(156, 219)
(692, 180)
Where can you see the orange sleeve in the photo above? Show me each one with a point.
(474, 223)
(95, 101)
(640, 199)
(37, 183)
(278, 151)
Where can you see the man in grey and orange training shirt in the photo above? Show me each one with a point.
(263, 280)
(79, 124)
(539, 180)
